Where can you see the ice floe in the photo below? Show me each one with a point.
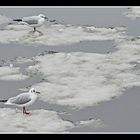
(21, 60)
(84, 79)
(14, 77)
(81, 79)
(11, 73)
(133, 12)
(39, 121)
(46, 121)
(57, 34)
(92, 123)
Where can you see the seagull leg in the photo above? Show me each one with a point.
(39, 32)
(34, 29)
(24, 111)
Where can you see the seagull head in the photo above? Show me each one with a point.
(33, 90)
(42, 16)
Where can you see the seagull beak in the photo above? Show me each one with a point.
(37, 92)
(46, 18)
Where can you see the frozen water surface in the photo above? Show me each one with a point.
(133, 12)
(94, 72)
(75, 78)
(58, 34)
(38, 121)
(11, 73)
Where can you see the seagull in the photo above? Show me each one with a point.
(23, 99)
(33, 21)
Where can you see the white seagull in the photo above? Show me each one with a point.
(33, 21)
(23, 99)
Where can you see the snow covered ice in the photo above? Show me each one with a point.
(57, 34)
(45, 121)
(91, 123)
(40, 121)
(75, 79)
(133, 12)
(11, 73)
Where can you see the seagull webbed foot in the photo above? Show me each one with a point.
(39, 32)
(27, 113)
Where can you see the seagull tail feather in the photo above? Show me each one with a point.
(17, 20)
(3, 101)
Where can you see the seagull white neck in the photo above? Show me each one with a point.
(41, 21)
(33, 95)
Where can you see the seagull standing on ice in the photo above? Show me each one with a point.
(33, 21)
(23, 99)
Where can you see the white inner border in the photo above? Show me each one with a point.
(66, 6)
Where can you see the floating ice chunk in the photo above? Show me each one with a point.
(75, 95)
(21, 60)
(23, 89)
(17, 27)
(58, 34)
(38, 121)
(92, 123)
(133, 12)
(33, 69)
(128, 51)
(11, 73)
(85, 79)
(8, 36)
(14, 77)
(6, 70)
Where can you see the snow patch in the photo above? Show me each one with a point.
(14, 77)
(58, 34)
(92, 123)
(11, 73)
(80, 79)
(38, 121)
(21, 60)
(133, 12)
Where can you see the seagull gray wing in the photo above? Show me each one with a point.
(31, 20)
(21, 99)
